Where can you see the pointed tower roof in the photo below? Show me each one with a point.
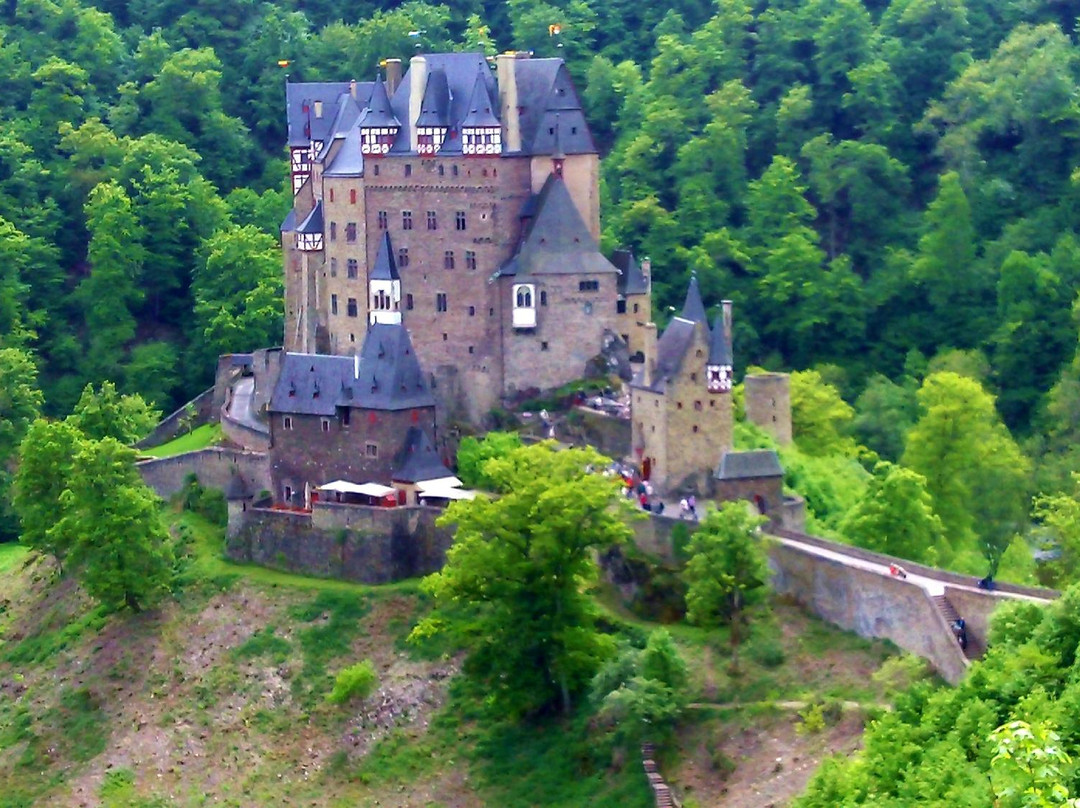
(389, 375)
(418, 460)
(313, 224)
(479, 110)
(385, 268)
(378, 112)
(435, 106)
(693, 309)
(558, 241)
(720, 352)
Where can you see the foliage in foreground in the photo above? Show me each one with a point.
(512, 585)
(937, 746)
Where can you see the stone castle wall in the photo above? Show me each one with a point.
(174, 424)
(768, 404)
(356, 543)
(214, 467)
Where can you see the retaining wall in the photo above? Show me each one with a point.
(214, 466)
(357, 543)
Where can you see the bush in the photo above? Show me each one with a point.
(354, 682)
(812, 720)
(767, 652)
(209, 503)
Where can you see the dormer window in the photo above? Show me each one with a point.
(524, 310)
(481, 140)
(377, 140)
(309, 242)
(429, 139)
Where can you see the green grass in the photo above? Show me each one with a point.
(198, 438)
(11, 554)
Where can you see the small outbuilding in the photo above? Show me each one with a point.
(754, 476)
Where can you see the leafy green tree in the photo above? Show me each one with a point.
(884, 412)
(238, 292)
(1059, 517)
(46, 460)
(105, 413)
(120, 546)
(820, 418)
(1028, 767)
(512, 583)
(20, 399)
(726, 569)
(473, 455)
(896, 516)
(974, 471)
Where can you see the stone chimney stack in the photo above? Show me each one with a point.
(417, 84)
(726, 305)
(352, 88)
(508, 99)
(650, 353)
(393, 76)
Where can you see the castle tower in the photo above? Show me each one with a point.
(384, 286)
(681, 410)
(768, 404)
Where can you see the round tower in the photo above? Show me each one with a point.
(768, 404)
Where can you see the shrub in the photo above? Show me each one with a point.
(354, 682)
(812, 720)
(767, 652)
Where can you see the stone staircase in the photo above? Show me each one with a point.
(662, 792)
(974, 649)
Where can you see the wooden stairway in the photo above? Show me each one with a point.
(661, 791)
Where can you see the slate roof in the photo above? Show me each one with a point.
(236, 488)
(418, 460)
(435, 106)
(632, 281)
(289, 225)
(558, 242)
(314, 221)
(378, 111)
(749, 465)
(387, 376)
(545, 91)
(693, 309)
(299, 94)
(385, 268)
(720, 352)
(479, 111)
(349, 161)
(672, 346)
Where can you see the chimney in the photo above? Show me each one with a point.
(417, 83)
(650, 353)
(646, 269)
(393, 76)
(508, 100)
(352, 88)
(726, 305)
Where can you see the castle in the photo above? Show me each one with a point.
(463, 203)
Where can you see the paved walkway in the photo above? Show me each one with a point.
(240, 406)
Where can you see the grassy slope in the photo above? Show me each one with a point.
(219, 699)
(198, 438)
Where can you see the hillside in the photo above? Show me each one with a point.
(218, 698)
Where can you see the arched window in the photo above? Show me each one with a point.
(524, 314)
(524, 297)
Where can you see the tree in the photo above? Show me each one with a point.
(512, 584)
(20, 399)
(473, 455)
(104, 413)
(820, 418)
(884, 412)
(727, 567)
(974, 471)
(1028, 767)
(46, 459)
(1059, 516)
(896, 516)
(120, 545)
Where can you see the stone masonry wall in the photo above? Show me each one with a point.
(368, 545)
(172, 425)
(214, 468)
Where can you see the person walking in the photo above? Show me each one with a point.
(691, 502)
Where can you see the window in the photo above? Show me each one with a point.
(286, 422)
(620, 307)
(288, 493)
(470, 259)
(695, 427)
(543, 297)
(470, 349)
(381, 301)
(333, 267)
(440, 301)
(459, 220)
(678, 405)
(331, 194)
(406, 220)
(346, 415)
(543, 346)
(697, 406)
(333, 231)
(472, 311)
(325, 424)
(453, 170)
(382, 219)
(376, 168)
(588, 286)
(693, 377)
(588, 308)
(352, 195)
(371, 450)
(408, 302)
(408, 169)
(350, 232)
(636, 308)
(350, 308)
(333, 304)
(432, 221)
(441, 169)
(352, 268)
(523, 298)
(402, 257)
(448, 259)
